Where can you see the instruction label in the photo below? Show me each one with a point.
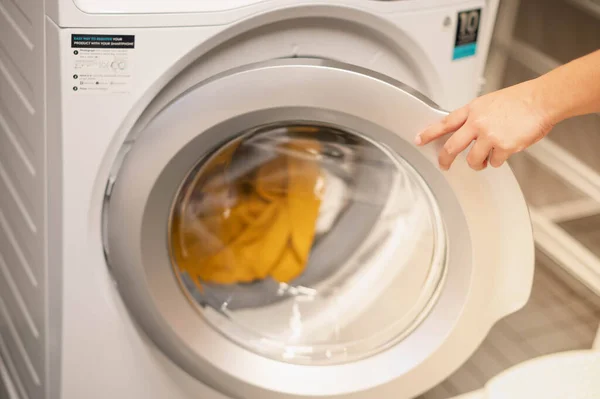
(467, 30)
(102, 64)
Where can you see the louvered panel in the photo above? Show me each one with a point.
(16, 299)
(21, 81)
(14, 8)
(22, 197)
(20, 172)
(10, 135)
(25, 328)
(27, 8)
(17, 44)
(23, 362)
(19, 216)
(19, 264)
(18, 107)
(27, 150)
(10, 366)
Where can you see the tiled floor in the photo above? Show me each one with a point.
(560, 316)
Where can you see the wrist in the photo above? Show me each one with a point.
(547, 100)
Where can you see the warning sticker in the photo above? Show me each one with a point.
(467, 30)
(102, 64)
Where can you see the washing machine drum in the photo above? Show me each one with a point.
(277, 235)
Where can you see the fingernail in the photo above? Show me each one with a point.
(418, 140)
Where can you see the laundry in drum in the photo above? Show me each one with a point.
(252, 211)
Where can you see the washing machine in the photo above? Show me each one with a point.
(211, 199)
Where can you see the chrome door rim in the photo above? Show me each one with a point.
(210, 363)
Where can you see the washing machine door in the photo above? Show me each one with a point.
(276, 234)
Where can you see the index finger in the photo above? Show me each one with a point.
(451, 123)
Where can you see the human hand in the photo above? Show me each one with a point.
(501, 123)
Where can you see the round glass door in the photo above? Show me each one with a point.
(298, 233)
(308, 243)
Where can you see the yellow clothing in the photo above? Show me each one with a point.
(258, 226)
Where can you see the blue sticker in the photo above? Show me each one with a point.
(467, 30)
(466, 50)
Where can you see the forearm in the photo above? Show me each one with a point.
(570, 90)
